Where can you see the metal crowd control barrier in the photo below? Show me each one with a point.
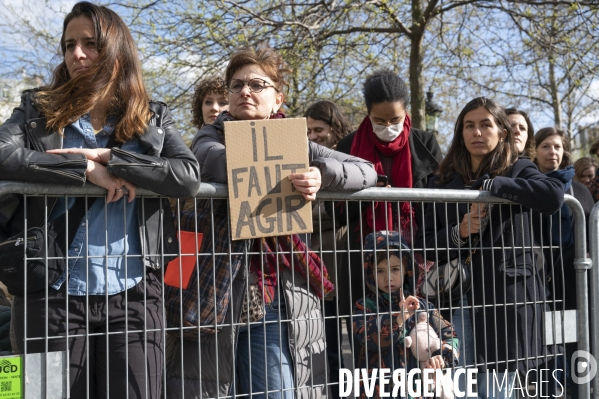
(367, 197)
(594, 290)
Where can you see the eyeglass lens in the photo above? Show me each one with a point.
(255, 85)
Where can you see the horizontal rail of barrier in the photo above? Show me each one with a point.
(219, 191)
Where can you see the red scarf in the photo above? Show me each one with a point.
(290, 252)
(367, 145)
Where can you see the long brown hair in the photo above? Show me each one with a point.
(496, 162)
(529, 146)
(116, 74)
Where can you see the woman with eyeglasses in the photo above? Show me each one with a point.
(403, 157)
(283, 354)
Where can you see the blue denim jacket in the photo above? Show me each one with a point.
(113, 256)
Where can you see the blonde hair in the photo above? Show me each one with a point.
(581, 165)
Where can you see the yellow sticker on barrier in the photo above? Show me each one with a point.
(10, 377)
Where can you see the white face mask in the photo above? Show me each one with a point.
(387, 133)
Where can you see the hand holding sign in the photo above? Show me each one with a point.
(307, 183)
(270, 181)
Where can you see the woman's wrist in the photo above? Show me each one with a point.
(90, 167)
(104, 156)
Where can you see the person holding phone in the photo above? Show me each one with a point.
(403, 157)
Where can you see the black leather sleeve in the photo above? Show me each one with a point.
(18, 162)
(171, 170)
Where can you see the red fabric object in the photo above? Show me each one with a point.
(179, 270)
(277, 115)
(367, 145)
(290, 252)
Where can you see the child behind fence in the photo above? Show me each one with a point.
(386, 316)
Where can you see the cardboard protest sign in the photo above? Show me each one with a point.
(260, 156)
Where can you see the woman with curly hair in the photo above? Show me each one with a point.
(209, 100)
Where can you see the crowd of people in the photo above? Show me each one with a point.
(363, 269)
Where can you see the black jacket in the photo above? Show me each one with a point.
(560, 276)
(500, 278)
(166, 167)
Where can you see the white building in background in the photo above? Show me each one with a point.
(9, 97)
(585, 138)
(10, 93)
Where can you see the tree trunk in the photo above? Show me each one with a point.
(555, 101)
(416, 67)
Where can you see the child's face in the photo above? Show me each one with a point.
(389, 274)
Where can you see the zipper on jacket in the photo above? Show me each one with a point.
(63, 163)
(17, 241)
(69, 174)
(136, 161)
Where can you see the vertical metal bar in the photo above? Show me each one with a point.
(594, 292)
(106, 322)
(581, 264)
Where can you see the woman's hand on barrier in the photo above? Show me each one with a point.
(99, 155)
(98, 175)
(307, 183)
(471, 222)
(435, 362)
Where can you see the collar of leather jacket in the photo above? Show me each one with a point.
(151, 140)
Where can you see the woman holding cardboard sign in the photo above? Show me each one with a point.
(283, 353)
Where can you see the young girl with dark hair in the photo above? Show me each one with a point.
(482, 156)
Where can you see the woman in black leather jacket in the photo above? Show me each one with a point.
(95, 123)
